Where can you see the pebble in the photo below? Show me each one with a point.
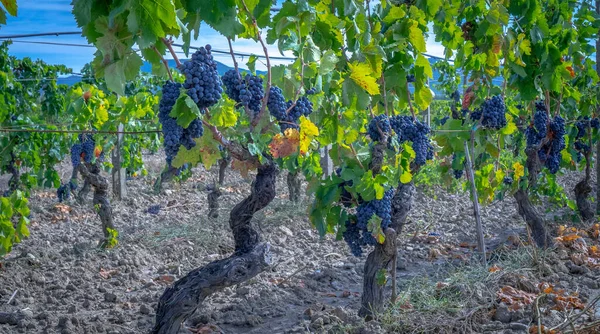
(144, 309)
(110, 297)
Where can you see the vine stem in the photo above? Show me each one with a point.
(266, 52)
(169, 45)
(164, 62)
(547, 93)
(235, 63)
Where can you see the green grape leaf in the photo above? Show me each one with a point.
(328, 62)
(152, 20)
(416, 38)
(11, 6)
(395, 13)
(225, 115)
(185, 111)
(252, 64)
(374, 226)
(2, 16)
(381, 277)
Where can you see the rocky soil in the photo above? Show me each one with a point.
(58, 281)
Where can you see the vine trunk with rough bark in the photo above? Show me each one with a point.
(583, 188)
(85, 190)
(294, 186)
(15, 174)
(384, 255)
(215, 190)
(526, 209)
(91, 174)
(250, 258)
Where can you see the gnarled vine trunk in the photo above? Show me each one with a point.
(13, 169)
(532, 218)
(85, 190)
(250, 258)
(582, 191)
(223, 163)
(215, 190)
(213, 202)
(526, 209)
(91, 174)
(583, 188)
(294, 186)
(385, 254)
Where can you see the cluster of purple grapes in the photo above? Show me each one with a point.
(582, 149)
(248, 91)
(444, 120)
(311, 91)
(174, 134)
(491, 113)
(85, 147)
(172, 131)
(63, 192)
(539, 130)
(582, 125)
(416, 132)
(202, 80)
(458, 173)
(154, 209)
(549, 152)
(379, 126)
(508, 180)
(278, 108)
(357, 234)
(410, 78)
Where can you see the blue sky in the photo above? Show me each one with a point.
(35, 16)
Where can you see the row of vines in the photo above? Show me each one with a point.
(358, 86)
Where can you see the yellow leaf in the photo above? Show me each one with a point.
(525, 45)
(519, 170)
(406, 177)
(307, 132)
(101, 114)
(351, 136)
(361, 75)
(284, 145)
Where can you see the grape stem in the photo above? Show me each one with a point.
(169, 44)
(385, 102)
(237, 70)
(164, 62)
(301, 58)
(266, 52)
(558, 104)
(356, 156)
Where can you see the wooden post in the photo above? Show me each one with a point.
(326, 162)
(118, 173)
(428, 109)
(598, 144)
(471, 177)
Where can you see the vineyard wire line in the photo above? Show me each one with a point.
(78, 131)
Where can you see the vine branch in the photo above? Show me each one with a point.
(164, 62)
(169, 45)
